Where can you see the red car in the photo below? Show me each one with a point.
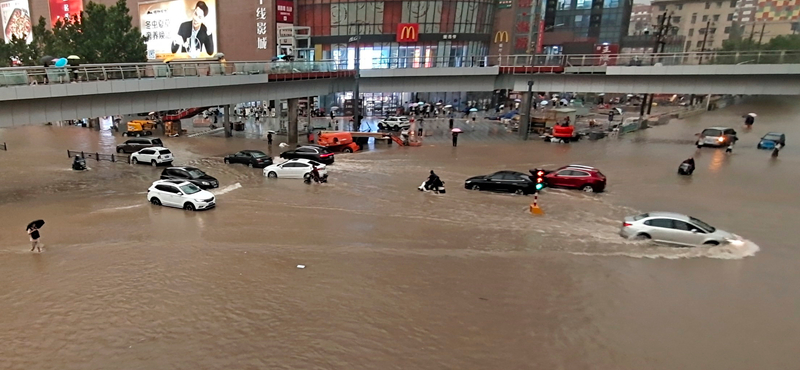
(588, 179)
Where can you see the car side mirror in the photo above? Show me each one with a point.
(695, 231)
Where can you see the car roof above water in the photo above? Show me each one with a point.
(673, 215)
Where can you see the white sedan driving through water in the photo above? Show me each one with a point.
(296, 168)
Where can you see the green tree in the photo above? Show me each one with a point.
(105, 35)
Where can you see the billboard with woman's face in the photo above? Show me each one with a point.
(179, 28)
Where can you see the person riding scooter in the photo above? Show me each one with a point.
(434, 183)
(79, 164)
(777, 149)
(314, 176)
(687, 167)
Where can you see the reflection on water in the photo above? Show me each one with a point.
(396, 278)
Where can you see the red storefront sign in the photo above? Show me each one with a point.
(407, 32)
(608, 54)
(540, 38)
(64, 9)
(284, 11)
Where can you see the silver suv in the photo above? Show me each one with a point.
(674, 228)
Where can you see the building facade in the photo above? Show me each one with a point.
(240, 29)
(398, 33)
(640, 20)
(704, 25)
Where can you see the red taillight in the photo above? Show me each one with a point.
(626, 224)
(326, 155)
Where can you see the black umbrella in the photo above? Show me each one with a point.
(46, 59)
(38, 224)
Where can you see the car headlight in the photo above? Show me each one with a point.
(205, 183)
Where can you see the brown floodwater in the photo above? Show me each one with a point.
(395, 278)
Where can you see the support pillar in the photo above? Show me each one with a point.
(525, 117)
(642, 104)
(292, 129)
(650, 104)
(227, 122)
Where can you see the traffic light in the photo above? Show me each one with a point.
(539, 180)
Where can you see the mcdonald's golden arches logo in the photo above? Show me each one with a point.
(500, 36)
(407, 32)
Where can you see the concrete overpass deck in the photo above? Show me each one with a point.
(38, 94)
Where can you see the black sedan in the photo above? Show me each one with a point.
(252, 158)
(312, 152)
(504, 182)
(190, 174)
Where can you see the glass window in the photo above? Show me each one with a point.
(680, 225)
(730, 17)
(708, 5)
(705, 18)
(662, 7)
(691, 32)
(694, 18)
(584, 4)
(716, 17)
(719, 4)
(190, 189)
(703, 225)
(699, 44)
(611, 4)
(727, 30)
(688, 46)
(702, 31)
(676, 19)
(680, 6)
(659, 222)
(733, 3)
(712, 31)
(564, 5)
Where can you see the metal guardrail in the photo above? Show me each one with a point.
(100, 157)
(282, 70)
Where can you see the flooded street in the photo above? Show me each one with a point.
(396, 278)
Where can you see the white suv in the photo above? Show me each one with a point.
(180, 194)
(394, 123)
(155, 156)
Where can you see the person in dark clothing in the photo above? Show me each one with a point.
(749, 120)
(433, 182)
(269, 138)
(455, 139)
(33, 232)
(193, 37)
(687, 167)
(451, 123)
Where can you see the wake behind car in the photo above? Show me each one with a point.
(297, 168)
(180, 194)
(312, 152)
(675, 228)
(251, 158)
(190, 174)
(717, 137)
(585, 178)
(154, 156)
(502, 181)
(394, 123)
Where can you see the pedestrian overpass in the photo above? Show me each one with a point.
(37, 94)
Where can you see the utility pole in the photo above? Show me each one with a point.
(752, 31)
(525, 125)
(705, 37)
(356, 93)
(659, 30)
(761, 36)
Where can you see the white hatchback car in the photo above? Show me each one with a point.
(154, 156)
(180, 194)
(296, 168)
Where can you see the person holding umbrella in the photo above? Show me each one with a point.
(455, 132)
(749, 120)
(33, 233)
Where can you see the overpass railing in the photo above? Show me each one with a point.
(16, 76)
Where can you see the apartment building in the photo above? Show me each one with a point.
(704, 24)
(640, 20)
